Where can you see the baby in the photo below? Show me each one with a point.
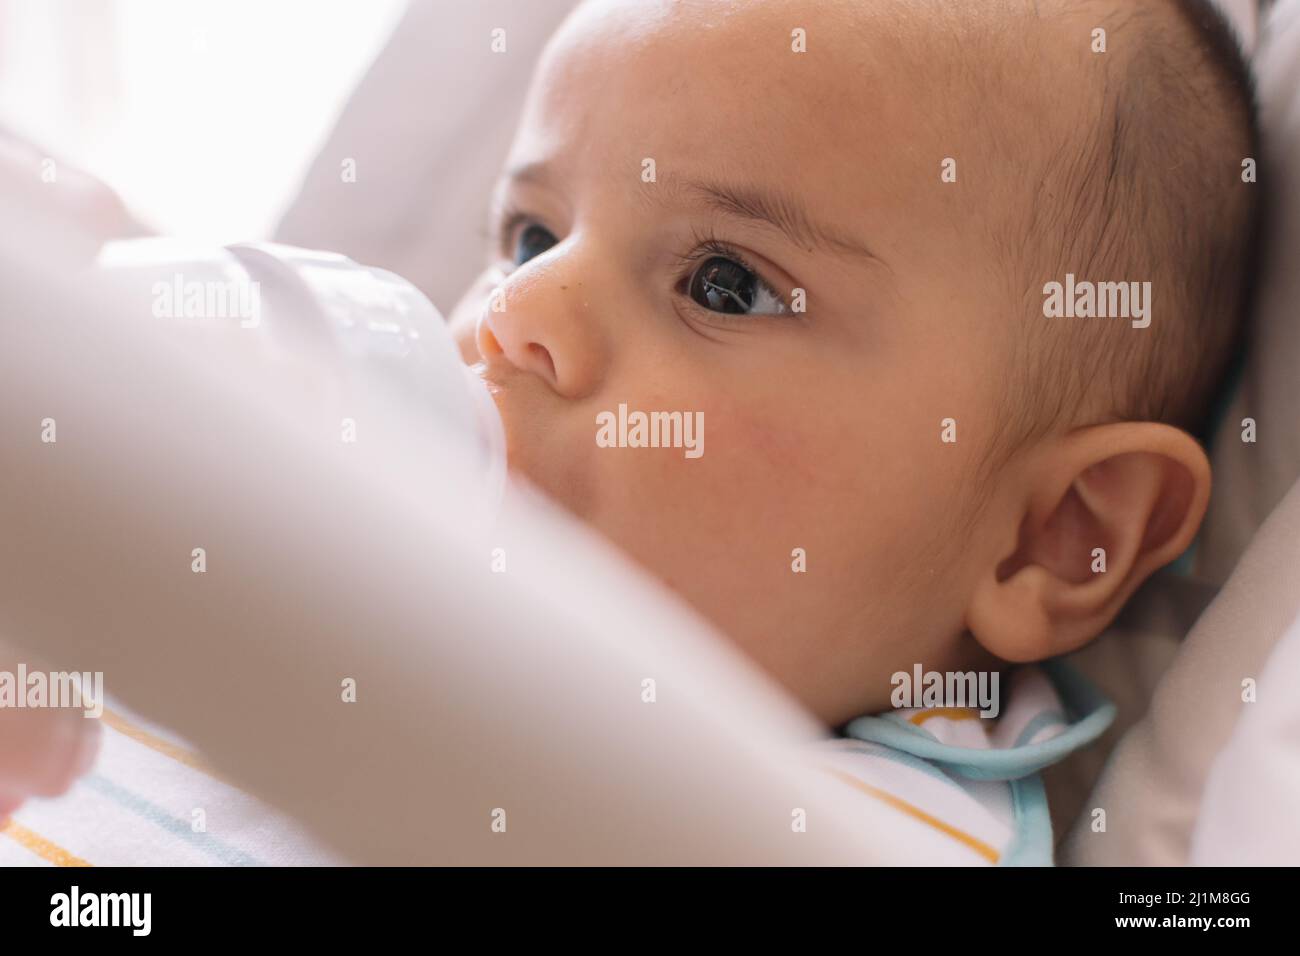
(950, 287)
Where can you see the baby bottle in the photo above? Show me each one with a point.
(359, 331)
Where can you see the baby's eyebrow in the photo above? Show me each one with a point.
(770, 207)
(777, 209)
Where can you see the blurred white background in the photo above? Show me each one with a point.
(203, 114)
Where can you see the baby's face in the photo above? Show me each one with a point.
(699, 219)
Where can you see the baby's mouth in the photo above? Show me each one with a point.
(489, 373)
(481, 370)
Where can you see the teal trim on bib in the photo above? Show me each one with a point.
(1032, 843)
(1090, 711)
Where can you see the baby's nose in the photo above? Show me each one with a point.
(516, 346)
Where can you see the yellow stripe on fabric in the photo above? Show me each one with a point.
(156, 743)
(42, 847)
(979, 846)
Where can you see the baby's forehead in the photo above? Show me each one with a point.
(855, 104)
(753, 76)
(844, 34)
(922, 72)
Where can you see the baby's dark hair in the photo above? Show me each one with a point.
(1158, 188)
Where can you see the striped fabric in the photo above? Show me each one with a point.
(151, 801)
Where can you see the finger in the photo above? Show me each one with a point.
(42, 751)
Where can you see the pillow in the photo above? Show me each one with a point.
(1247, 815)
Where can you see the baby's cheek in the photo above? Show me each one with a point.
(781, 449)
(859, 481)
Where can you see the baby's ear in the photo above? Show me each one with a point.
(1104, 508)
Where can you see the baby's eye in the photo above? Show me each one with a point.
(721, 284)
(531, 242)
